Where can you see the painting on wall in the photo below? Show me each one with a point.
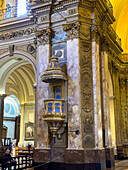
(29, 131)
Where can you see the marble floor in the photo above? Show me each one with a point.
(121, 165)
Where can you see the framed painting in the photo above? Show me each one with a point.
(29, 131)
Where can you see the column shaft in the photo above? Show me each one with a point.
(1, 116)
(105, 97)
(97, 95)
(22, 125)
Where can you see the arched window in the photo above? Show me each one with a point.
(22, 7)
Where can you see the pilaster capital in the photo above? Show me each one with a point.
(104, 44)
(72, 30)
(44, 35)
(95, 33)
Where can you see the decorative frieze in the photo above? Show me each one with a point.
(43, 18)
(72, 30)
(2, 51)
(88, 3)
(72, 11)
(17, 34)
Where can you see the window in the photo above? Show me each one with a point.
(22, 7)
(57, 92)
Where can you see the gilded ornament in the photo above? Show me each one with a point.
(84, 12)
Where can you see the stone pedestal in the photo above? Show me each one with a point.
(69, 159)
(120, 152)
(109, 155)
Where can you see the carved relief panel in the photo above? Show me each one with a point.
(86, 95)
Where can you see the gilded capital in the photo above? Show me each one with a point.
(95, 32)
(104, 44)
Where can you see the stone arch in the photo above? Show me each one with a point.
(18, 59)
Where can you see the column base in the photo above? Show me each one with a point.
(69, 159)
(109, 155)
(1, 152)
(125, 151)
(120, 155)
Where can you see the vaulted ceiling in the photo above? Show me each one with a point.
(20, 83)
(17, 77)
(120, 11)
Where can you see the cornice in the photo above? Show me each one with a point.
(13, 21)
(39, 4)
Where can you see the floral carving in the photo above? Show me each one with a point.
(16, 34)
(44, 35)
(72, 30)
(88, 128)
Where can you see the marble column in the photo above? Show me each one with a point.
(22, 125)
(106, 111)
(97, 95)
(42, 138)
(112, 121)
(74, 112)
(105, 92)
(42, 141)
(35, 86)
(84, 103)
(1, 118)
(117, 109)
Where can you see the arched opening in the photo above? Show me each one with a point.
(112, 114)
(12, 111)
(17, 77)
